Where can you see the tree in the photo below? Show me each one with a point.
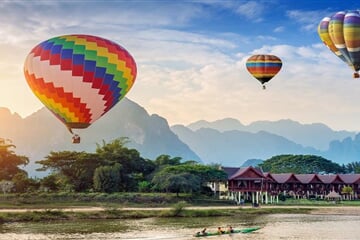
(347, 190)
(107, 178)
(181, 182)
(167, 160)
(23, 183)
(51, 182)
(186, 177)
(9, 161)
(132, 164)
(77, 167)
(300, 164)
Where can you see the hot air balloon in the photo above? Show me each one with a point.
(341, 34)
(79, 78)
(263, 67)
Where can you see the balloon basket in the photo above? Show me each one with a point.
(76, 139)
(356, 75)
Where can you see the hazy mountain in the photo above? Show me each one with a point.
(315, 135)
(38, 134)
(345, 151)
(232, 148)
(252, 162)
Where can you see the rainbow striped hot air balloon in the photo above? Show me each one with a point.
(79, 77)
(341, 34)
(263, 67)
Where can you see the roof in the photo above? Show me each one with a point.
(308, 178)
(327, 179)
(333, 194)
(247, 172)
(349, 178)
(230, 170)
(284, 177)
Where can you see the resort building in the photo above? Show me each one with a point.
(251, 184)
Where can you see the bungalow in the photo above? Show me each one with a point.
(252, 184)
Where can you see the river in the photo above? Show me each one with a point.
(273, 226)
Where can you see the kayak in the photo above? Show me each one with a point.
(245, 230)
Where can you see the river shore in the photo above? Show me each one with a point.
(333, 210)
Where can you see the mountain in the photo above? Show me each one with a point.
(232, 148)
(345, 151)
(38, 134)
(315, 135)
(252, 162)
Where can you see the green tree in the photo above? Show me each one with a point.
(76, 167)
(181, 182)
(300, 164)
(353, 167)
(186, 177)
(10, 162)
(164, 159)
(51, 182)
(107, 178)
(132, 164)
(24, 184)
(347, 190)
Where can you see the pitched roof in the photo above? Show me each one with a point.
(349, 178)
(308, 178)
(284, 177)
(332, 178)
(247, 172)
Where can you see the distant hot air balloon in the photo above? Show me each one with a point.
(341, 34)
(263, 67)
(79, 77)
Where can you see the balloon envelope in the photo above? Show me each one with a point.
(341, 34)
(263, 66)
(79, 77)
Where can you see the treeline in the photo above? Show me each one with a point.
(306, 164)
(112, 168)
(115, 168)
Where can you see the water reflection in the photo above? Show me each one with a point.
(276, 226)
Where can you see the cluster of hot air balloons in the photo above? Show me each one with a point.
(81, 77)
(341, 34)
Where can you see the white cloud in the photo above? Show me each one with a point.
(279, 29)
(309, 19)
(251, 10)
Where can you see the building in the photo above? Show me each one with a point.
(251, 184)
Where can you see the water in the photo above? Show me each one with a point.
(274, 226)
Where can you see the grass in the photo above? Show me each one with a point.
(113, 204)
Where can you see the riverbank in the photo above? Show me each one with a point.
(76, 213)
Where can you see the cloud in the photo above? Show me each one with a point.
(279, 29)
(308, 19)
(251, 10)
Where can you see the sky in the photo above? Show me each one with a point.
(191, 56)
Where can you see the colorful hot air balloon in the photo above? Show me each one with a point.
(263, 67)
(341, 34)
(79, 77)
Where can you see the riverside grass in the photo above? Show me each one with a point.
(51, 215)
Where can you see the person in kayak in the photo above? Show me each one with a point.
(220, 231)
(230, 230)
(202, 233)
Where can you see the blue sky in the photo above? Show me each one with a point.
(191, 56)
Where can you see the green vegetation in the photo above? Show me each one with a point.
(112, 168)
(300, 164)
